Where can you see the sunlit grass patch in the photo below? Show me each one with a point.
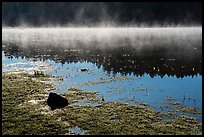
(25, 111)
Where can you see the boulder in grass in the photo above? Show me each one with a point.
(56, 101)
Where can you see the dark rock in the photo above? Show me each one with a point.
(84, 70)
(56, 101)
(103, 98)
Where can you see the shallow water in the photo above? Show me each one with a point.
(126, 74)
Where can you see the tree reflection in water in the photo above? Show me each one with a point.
(161, 61)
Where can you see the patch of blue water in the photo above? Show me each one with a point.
(130, 89)
(152, 91)
(77, 131)
(12, 63)
(143, 88)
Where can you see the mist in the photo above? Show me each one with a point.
(150, 31)
(104, 37)
(103, 24)
(96, 14)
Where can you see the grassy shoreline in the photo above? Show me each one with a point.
(24, 111)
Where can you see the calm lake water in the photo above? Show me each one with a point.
(134, 66)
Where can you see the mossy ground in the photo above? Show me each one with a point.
(24, 111)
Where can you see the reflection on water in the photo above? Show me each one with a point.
(150, 74)
(124, 60)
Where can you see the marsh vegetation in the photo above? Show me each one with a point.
(24, 111)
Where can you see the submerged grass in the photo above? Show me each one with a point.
(105, 80)
(24, 111)
(179, 107)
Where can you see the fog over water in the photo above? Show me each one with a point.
(107, 37)
(173, 50)
(98, 14)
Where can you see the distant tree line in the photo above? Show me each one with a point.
(87, 13)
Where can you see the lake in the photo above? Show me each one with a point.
(158, 67)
